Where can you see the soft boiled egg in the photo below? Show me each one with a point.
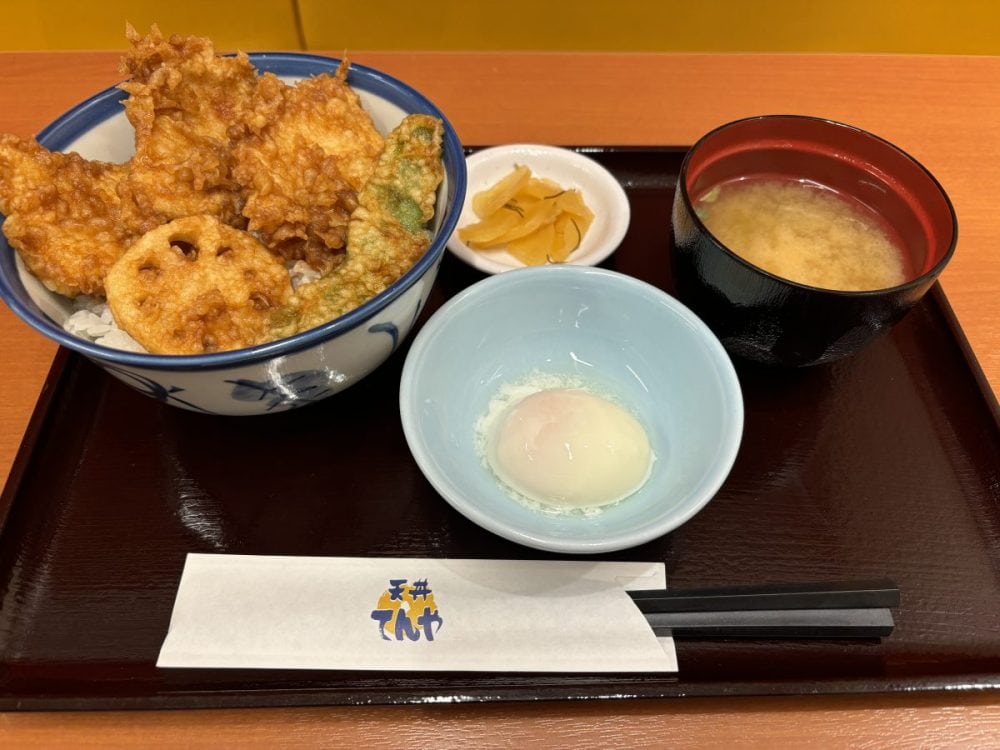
(569, 449)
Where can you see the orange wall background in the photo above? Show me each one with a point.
(913, 26)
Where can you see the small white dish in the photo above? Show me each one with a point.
(601, 192)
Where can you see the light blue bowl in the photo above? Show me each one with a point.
(629, 340)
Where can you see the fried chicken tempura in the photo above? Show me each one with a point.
(219, 149)
(195, 286)
(63, 215)
(387, 233)
(187, 106)
(310, 149)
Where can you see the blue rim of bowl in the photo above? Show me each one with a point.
(726, 369)
(103, 105)
(923, 278)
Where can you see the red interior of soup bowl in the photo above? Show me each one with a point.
(851, 161)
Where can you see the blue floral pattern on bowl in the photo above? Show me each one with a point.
(291, 391)
(392, 329)
(162, 393)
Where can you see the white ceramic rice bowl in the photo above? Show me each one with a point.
(280, 375)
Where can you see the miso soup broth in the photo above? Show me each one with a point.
(804, 232)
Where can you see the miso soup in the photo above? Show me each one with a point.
(803, 232)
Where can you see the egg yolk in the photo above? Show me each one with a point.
(569, 449)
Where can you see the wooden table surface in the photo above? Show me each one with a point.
(945, 111)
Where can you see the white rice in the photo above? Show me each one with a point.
(92, 319)
(302, 273)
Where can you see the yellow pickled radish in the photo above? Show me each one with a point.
(534, 217)
(533, 249)
(571, 201)
(566, 237)
(492, 200)
(485, 233)
(538, 215)
(541, 187)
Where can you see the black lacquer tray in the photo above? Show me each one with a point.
(884, 465)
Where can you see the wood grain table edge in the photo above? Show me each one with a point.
(943, 110)
(916, 721)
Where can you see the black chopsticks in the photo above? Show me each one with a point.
(835, 609)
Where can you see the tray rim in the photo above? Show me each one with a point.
(302, 698)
